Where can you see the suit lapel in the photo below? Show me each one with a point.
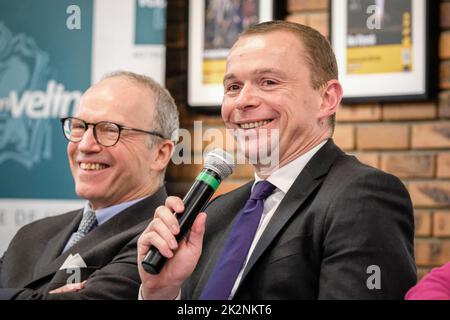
(52, 259)
(307, 181)
(56, 244)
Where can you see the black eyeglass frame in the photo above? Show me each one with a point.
(94, 125)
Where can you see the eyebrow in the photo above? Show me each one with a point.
(262, 71)
(228, 76)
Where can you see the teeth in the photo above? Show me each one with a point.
(252, 125)
(92, 166)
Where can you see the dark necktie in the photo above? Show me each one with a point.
(88, 223)
(232, 258)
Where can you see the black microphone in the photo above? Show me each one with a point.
(218, 166)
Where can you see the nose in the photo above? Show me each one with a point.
(88, 143)
(247, 98)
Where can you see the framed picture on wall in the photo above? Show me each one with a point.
(214, 26)
(386, 50)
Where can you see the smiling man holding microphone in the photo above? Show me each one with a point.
(311, 227)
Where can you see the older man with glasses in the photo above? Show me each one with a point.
(120, 142)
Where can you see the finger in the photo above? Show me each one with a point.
(146, 240)
(72, 287)
(55, 291)
(163, 231)
(143, 246)
(197, 231)
(175, 204)
(167, 217)
(75, 286)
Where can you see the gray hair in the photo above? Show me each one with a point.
(165, 118)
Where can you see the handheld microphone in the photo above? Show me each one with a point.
(218, 165)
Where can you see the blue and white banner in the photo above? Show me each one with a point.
(50, 52)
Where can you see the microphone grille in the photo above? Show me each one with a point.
(220, 161)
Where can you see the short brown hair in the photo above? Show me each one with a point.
(319, 54)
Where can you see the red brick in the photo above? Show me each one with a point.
(300, 18)
(409, 165)
(408, 111)
(344, 136)
(316, 20)
(444, 81)
(431, 135)
(444, 45)
(216, 137)
(422, 248)
(243, 171)
(302, 5)
(382, 136)
(429, 194)
(205, 137)
(443, 165)
(352, 113)
(186, 172)
(187, 117)
(441, 224)
(432, 252)
(444, 104)
(189, 142)
(371, 159)
(423, 220)
(319, 21)
(445, 15)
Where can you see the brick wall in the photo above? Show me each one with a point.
(409, 140)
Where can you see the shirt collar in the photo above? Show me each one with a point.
(284, 177)
(105, 214)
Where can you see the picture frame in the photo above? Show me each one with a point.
(386, 51)
(213, 27)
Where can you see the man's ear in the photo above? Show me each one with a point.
(162, 154)
(331, 98)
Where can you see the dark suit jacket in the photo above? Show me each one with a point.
(338, 218)
(30, 267)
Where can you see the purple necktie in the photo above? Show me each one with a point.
(232, 258)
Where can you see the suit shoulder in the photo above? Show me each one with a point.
(38, 230)
(348, 169)
(350, 182)
(55, 221)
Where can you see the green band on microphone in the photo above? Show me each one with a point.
(208, 179)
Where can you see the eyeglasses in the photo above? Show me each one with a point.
(105, 133)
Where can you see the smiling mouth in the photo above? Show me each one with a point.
(92, 166)
(255, 124)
